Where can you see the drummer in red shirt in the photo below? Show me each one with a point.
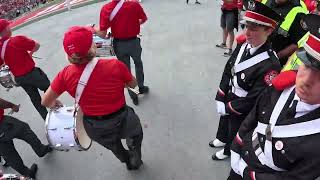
(125, 26)
(18, 52)
(107, 119)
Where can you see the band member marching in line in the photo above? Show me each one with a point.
(247, 73)
(125, 17)
(12, 128)
(107, 119)
(279, 139)
(17, 54)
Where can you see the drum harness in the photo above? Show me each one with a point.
(83, 82)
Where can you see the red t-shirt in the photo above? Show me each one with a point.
(104, 93)
(126, 22)
(17, 56)
(231, 4)
(1, 115)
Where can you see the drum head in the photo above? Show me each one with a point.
(80, 133)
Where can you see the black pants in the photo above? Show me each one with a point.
(234, 176)
(227, 130)
(10, 129)
(31, 82)
(124, 49)
(108, 132)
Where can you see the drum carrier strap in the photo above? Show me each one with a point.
(3, 49)
(83, 82)
(116, 10)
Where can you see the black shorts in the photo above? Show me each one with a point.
(228, 20)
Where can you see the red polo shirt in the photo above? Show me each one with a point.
(1, 115)
(104, 93)
(231, 4)
(126, 22)
(17, 56)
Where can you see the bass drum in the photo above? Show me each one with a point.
(65, 130)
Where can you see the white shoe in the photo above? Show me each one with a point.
(216, 143)
(219, 155)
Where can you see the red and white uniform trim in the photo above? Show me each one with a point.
(253, 175)
(238, 139)
(233, 110)
(220, 92)
(312, 46)
(260, 19)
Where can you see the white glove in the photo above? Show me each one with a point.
(221, 108)
(242, 166)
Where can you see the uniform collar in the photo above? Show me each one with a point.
(303, 107)
(253, 49)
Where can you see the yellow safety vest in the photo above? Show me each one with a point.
(290, 17)
(293, 61)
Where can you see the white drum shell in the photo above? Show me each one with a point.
(63, 133)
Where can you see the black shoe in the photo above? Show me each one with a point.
(33, 171)
(135, 100)
(187, 1)
(47, 149)
(197, 2)
(144, 90)
(133, 167)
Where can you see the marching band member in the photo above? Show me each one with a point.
(279, 139)
(17, 52)
(247, 73)
(125, 17)
(12, 128)
(107, 119)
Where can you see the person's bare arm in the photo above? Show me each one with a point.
(35, 49)
(133, 83)
(6, 104)
(288, 51)
(142, 21)
(100, 33)
(49, 99)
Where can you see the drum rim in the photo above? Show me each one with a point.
(75, 134)
(46, 124)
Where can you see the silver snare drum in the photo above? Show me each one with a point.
(104, 46)
(65, 131)
(6, 77)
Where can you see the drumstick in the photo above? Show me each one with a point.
(36, 57)
(133, 90)
(11, 111)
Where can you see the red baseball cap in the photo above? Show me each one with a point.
(3, 24)
(77, 40)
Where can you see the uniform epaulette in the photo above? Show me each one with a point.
(284, 80)
(241, 38)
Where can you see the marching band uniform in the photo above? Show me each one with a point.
(107, 119)
(247, 73)
(125, 27)
(11, 128)
(17, 56)
(279, 139)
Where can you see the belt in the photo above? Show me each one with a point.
(125, 39)
(107, 116)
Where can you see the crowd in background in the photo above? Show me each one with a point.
(10, 9)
